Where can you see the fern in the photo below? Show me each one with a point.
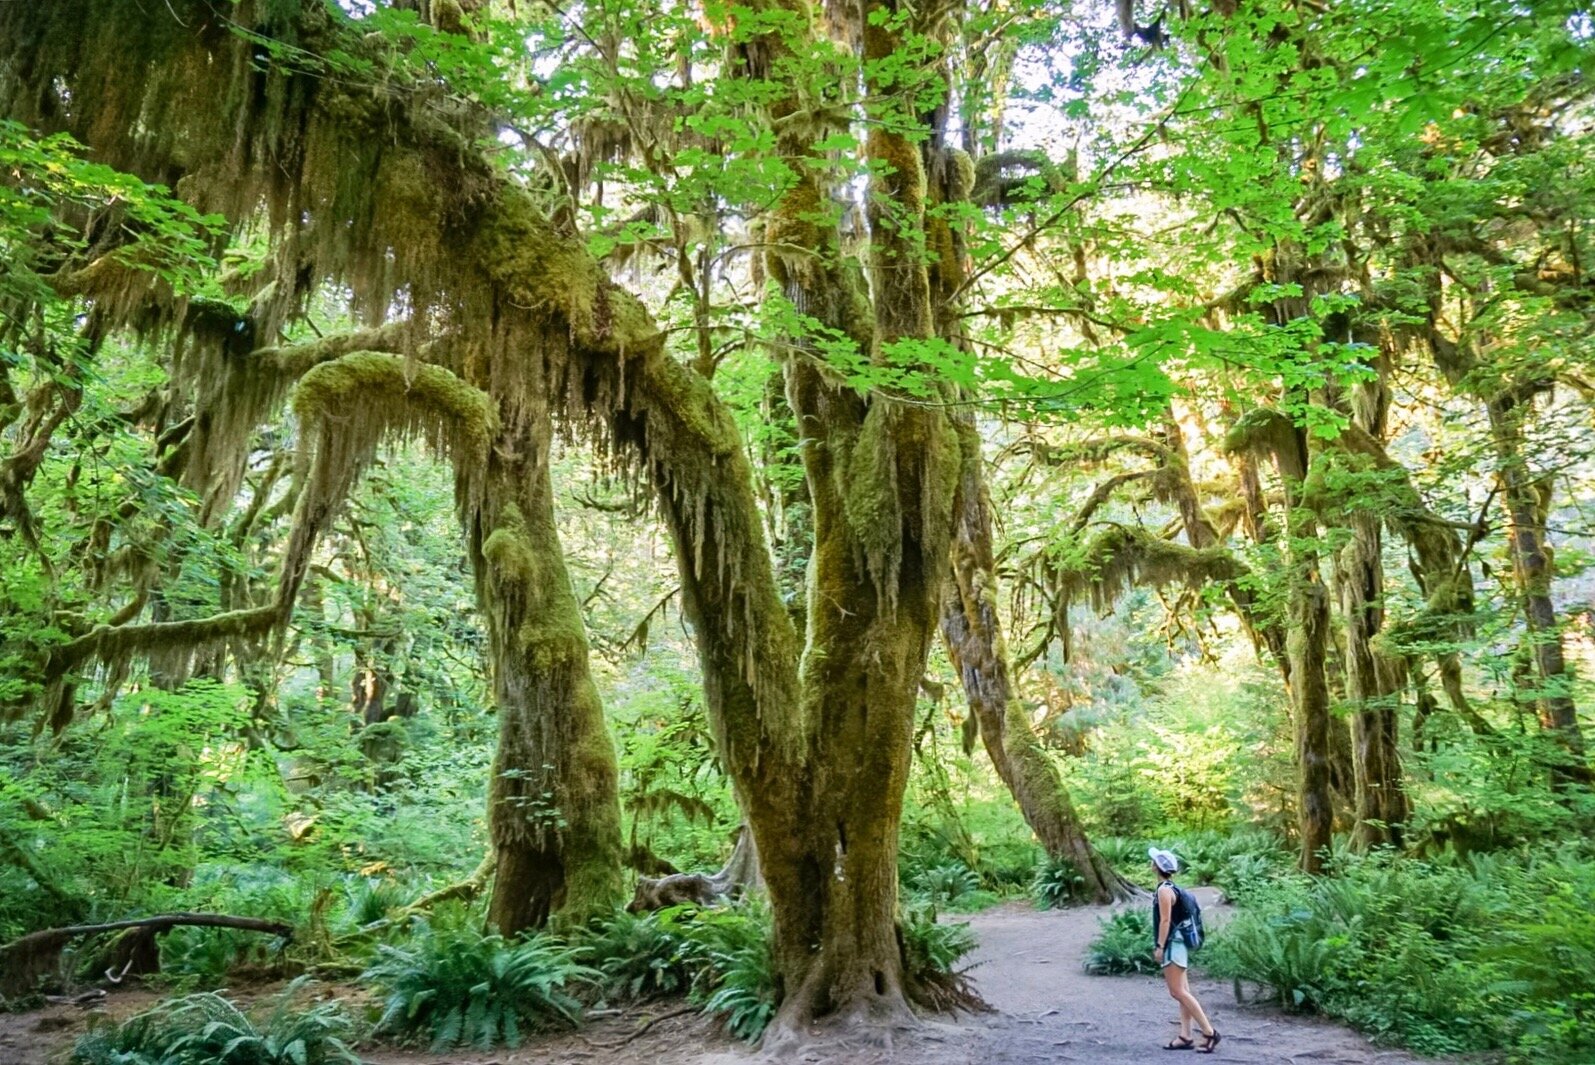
(1124, 944)
(943, 884)
(735, 969)
(1058, 882)
(458, 986)
(931, 953)
(644, 954)
(207, 1029)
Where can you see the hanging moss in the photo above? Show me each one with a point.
(370, 181)
(1268, 433)
(1123, 557)
(871, 497)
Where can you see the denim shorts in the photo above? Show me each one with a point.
(1175, 953)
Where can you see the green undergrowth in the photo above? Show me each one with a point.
(1484, 954)
(453, 985)
(1123, 944)
(443, 984)
(208, 1029)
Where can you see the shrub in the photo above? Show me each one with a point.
(1240, 863)
(1058, 883)
(643, 954)
(1127, 856)
(735, 977)
(370, 899)
(1444, 958)
(1124, 944)
(458, 986)
(207, 1029)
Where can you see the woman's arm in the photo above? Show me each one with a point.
(1165, 915)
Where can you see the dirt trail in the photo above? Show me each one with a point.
(1051, 1010)
(1028, 966)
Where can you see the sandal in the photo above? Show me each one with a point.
(1180, 1042)
(1209, 1043)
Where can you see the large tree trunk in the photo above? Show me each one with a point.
(553, 804)
(1308, 642)
(1374, 679)
(386, 201)
(1521, 494)
(1373, 682)
(970, 626)
(1264, 431)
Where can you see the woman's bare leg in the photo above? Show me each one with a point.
(1190, 1010)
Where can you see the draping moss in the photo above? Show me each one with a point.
(1122, 557)
(1270, 434)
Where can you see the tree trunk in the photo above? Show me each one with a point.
(553, 804)
(1373, 682)
(1307, 642)
(970, 626)
(1521, 493)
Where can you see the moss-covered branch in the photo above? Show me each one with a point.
(1121, 557)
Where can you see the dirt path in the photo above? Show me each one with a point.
(1051, 1010)
(1028, 966)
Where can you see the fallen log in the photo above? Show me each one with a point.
(24, 960)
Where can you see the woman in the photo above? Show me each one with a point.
(1168, 913)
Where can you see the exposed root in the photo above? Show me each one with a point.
(24, 960)
(740, 873)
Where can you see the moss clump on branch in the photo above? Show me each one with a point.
(370, 395)
(1121, 557)
(1270, 434)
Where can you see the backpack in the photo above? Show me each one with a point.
(1190, 929)
(1186, 914)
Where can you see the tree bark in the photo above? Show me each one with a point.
(1521, 494)
(1374, 679)
(1263, 431)
(1307, 643)
(1373, 683)
(553, 803)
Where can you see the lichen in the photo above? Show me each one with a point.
(1270, 434)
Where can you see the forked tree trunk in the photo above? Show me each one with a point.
(973, 633)
(553, 803)
(822, 768)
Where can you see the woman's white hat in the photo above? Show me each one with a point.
(1164, 860)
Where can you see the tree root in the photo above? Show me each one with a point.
(24, 960)
(739, 874)
(642, 1029)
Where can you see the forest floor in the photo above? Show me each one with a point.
(1046, 1009)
